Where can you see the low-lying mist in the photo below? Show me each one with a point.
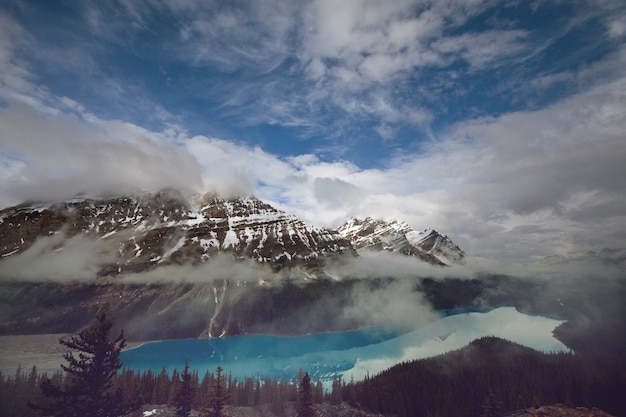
(57, 258)
(244, 296)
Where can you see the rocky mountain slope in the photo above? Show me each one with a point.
(173, 266)
(396, 236)
(166, 228)
(138, 233)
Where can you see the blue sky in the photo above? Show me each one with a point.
(500, 123)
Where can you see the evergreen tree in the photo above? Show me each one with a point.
(257, 392)
(335, 395)
(184, 396)
(319, 391)
(87, 390)
(219, 395)
(174, 385)
(247, 393)
(491, 407)
(161, 388)
(305, 397)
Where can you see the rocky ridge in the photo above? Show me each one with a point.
(156, 257)
(139, 233)
(166, 228)
(396, 236)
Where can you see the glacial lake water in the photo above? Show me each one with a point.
(349, 354)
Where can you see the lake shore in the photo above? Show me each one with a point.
(41, 350)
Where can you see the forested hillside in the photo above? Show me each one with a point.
(492, 376)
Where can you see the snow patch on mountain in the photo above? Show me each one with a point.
(397, 236)
(170, 228)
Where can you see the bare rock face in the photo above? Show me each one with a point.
(167, 265)
(395, 236)
(166, 228)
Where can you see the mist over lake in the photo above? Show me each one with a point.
(349, 354)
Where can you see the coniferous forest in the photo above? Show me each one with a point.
(487, 378)
(490, 377)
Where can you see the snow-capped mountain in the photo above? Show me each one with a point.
(397, 236)
(139, 233)
(165, 228)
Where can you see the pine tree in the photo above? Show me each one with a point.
(219, 395)
(87, 391)
(161, 388)
(185, 394)
(335, 395)
(174, 387)
(319, 391)
(305, 397)
(257, 392)
(491, 406)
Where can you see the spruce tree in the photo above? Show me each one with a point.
(219, 395)
(305, 397)
(335, 395)
(491, 406)
(185, 394)
(87, 389)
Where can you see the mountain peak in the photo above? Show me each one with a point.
(397, 236)
(150, 229)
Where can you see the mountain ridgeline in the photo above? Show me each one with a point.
(172, 266)
(159, 229)
(165, 228)
(396, 236)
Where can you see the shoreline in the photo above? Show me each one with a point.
(46, 353)
(41, 350)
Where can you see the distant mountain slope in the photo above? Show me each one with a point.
(166, 228)
(396, 236)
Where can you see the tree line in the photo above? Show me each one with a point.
(487, 378)
(93, 384)
(148, 387)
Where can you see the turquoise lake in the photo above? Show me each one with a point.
(350, 354)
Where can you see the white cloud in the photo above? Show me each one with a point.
(385, 131)
(57, 258)
(333, 193)
(373, 41)
(250, 35)
(15, 78)
(56, 156)
(237, 169)
(483, 49)
(617, 27)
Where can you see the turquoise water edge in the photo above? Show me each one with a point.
(350, 354)
(322, 354)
